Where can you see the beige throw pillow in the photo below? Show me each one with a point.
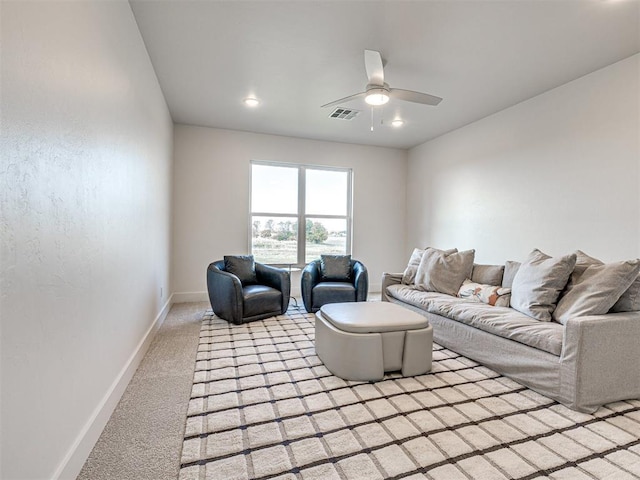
(539, 282)
(444, 272)
(409, 275)
(596, 289)
(489, 294)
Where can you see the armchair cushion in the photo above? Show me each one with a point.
(333, 292)
(243, 267)
(336, 268)
(258, 299)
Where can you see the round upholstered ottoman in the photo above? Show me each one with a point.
(363, 340)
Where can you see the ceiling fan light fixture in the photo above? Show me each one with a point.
(376, 97)
(397, 122)
(251, 102)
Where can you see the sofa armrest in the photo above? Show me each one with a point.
(601, 359)
(387, 280)
(360, 281)
(277, 278)
(225, 293)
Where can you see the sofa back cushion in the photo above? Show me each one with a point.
(596, 289)
(487, 274)
(444, 272)
(538, 283)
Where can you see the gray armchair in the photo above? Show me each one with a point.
(318, 291)
(239, 301)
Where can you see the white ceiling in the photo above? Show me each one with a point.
(481, 56)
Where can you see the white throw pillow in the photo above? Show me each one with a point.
(483, 293)
(539, 282)
(596, 290)
(444, 272)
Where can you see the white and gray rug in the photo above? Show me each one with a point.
(263, 406)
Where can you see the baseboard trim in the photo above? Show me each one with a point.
(73, 461)
(188, 297)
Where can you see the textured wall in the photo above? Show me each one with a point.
(211, 198)
(85, 194)
(559, 172)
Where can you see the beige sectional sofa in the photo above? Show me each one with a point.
(584, 362)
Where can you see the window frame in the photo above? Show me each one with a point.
(301, 214)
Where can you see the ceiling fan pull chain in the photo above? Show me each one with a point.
(372, 119)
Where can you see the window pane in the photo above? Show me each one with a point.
(274, 189)
(326, 192)
(274, 239)
(328, 236)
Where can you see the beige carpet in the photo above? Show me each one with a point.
(143, 438)
(263, 406)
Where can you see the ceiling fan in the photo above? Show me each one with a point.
(378, 93)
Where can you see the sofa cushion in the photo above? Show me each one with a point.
(596, 289)
(539, 282)
(501, 321)
(444, 272)
(510, 270)
(335, 268)
(481, 293)
(242, 266)
(409, 274)
(487, 274)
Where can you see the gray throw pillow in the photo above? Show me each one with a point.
(510, 270)
(596, 289)
(409, 274)
(444, 272)
(629, 301)
(335, 268)
(487, 274)
(539, 282)
(242, 266)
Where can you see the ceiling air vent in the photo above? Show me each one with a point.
(344, 114)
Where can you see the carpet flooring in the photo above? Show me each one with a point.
(264, 407)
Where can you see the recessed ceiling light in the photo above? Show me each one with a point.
(251, 102)
(397, 122)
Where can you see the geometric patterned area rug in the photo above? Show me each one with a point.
(263, 406)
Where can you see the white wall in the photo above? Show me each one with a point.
(559, 172)
(85, 185)
(211, 199)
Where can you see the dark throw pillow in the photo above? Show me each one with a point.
(242, 266)
(335, 268)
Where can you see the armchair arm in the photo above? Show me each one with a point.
(389, 279)
(225, 293)
(277, 278)
(310, 278)
(360, 281)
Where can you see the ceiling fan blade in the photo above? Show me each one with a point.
(415, 97)
(344, 100)
(374, 68)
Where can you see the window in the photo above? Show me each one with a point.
(299, 212)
